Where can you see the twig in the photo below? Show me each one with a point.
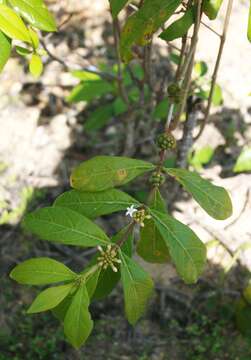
(187, 69)
(246, 203)
(216, 68)
(211, 29)
(122, 89)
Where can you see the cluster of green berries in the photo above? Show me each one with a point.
(166, 141)
(108, 257)
(174, 93)
(157, 179)
(140, 215)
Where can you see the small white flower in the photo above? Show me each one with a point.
(131, 210)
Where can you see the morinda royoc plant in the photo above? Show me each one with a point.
(71, 219)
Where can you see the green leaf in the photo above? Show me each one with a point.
(49, 298)
(211, 8)
(108, 279)
(41, 271)
(243, 162)
(23, 51)
(5, 46)
(105, 172)
(186, 249)
(99, 118)
(217, 98)
(142, 24)
(65, 226)
(90, 90)
(35, 12)
(92, 282)
(201, 68)
(77, 322)
(243, 317)
(36, 65)
(213, 199)
(151, 246)
(247, 293)
(119, 107)
(34, 38)
(117, 6)
(161, 109)
(61, 309)
(93, 205)
(180, 27)
(249, 23)
(201, 157)
(137, 287)
(12, 25)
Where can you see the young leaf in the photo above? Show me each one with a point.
(12, 25)
(77, 322)
(213, 199)
(200, 68)
(5, 46)
(65, 226)
(117, 6)
(151, 246)
(179, 27)
(41, 271)
(142, 24)
(108, 279)
(34, 38)
(49, 298)
(137, 286)
(36, 13)
(211, 8)
(243, 162)
(186, 249)
(22, 51)
(105, 172)
(36, 65)
(93, 205)
(90, 90)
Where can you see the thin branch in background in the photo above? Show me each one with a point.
(216, 68)
(122, 89)
(211, 29)
(177, 78)
(187, 68)
(90, 69)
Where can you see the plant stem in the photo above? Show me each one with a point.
(122, 89)
(187, 67)
(217, 65)
(124, 237)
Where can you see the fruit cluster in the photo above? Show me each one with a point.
(166, 141)
(157, 179)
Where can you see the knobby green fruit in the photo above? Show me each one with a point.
(157, 179)
(211, 8)
(179, 27)
(166, 141)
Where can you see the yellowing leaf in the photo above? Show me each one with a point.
(105, 172)
(36, 65)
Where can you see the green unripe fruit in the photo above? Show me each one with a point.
(157, 179)
(166, 141)
(174, 92)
